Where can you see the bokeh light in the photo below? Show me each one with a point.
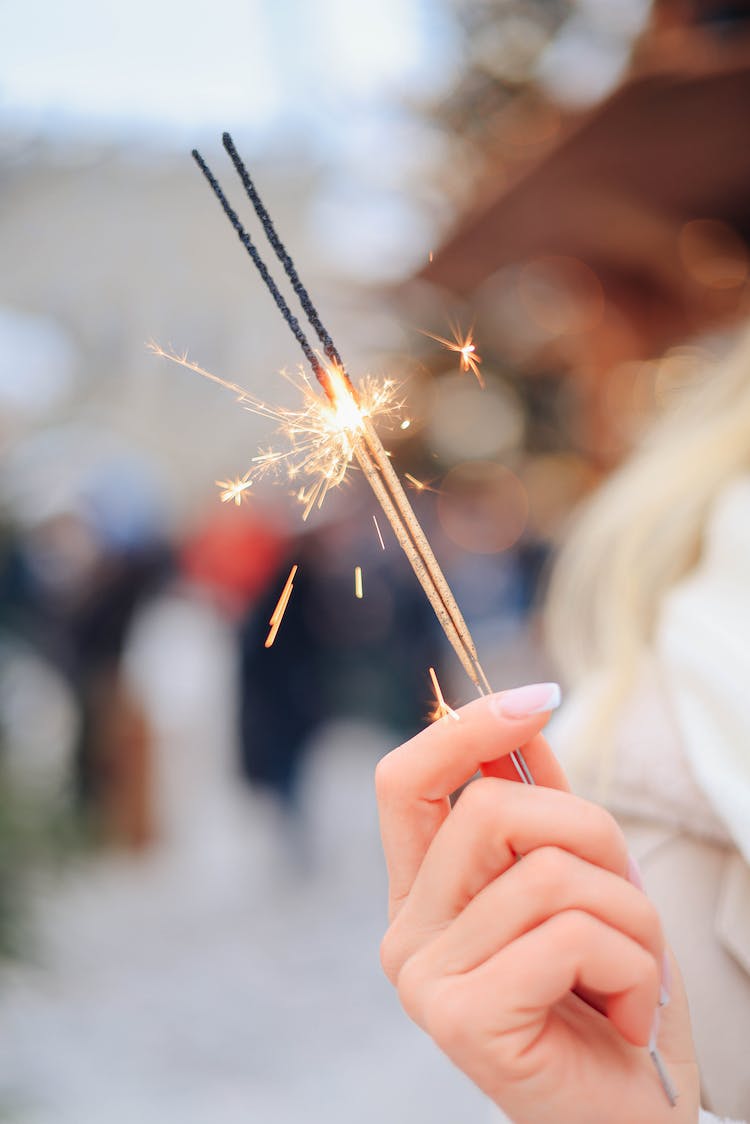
(561, 294)
(465, 421)
(483, 506)
(713, 254)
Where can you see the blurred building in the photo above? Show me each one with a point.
(616, 233)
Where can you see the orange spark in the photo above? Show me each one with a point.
(465, 347)
(377, 528)
(234, 490)
(420, 485)
(441, 710)
(358, 583)
(278, 613)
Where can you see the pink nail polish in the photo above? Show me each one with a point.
(522, 702)
(634, 874)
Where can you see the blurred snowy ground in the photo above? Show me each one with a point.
(231, 974)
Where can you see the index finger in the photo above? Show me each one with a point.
(414, 782)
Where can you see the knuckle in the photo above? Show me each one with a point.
(449, 1017)
(648, 921)
(573, 927)
(547, 868)
(652, 974)
(605, 830)
(386, 776)
(389, 956)
(479, 802)
(411, 984)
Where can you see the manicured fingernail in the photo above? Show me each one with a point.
(665, 992)
(522, 702)
(634, 873)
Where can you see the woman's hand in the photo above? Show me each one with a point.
(540, 978)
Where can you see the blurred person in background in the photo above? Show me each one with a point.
(89, 555)
(337, 656)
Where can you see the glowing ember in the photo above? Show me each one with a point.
(358, 582)
(466, 348)
(420, 485)
(278, 614)
(377, 528)
(234, 491)
(441, 709)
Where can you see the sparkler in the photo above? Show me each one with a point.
(331, 432)
(327, 434)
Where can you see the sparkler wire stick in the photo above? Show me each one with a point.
(376, 466)
(408, 531)
(286, 312)
(394, 484)
(289, 268)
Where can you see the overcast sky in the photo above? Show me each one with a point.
(195, 64)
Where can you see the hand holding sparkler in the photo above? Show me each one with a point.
(540, 979)
(326, 435)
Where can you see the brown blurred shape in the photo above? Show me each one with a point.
(649, 191)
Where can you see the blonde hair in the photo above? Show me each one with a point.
(639, 534)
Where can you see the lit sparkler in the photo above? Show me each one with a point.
(465, 347)
(327, 434)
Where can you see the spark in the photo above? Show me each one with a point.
(321, 436)
(358, 583)
(441, 709)
(377, 528)
(465, 347)
(278, 614)
(234, 491)
(420, 485)
(405, 423)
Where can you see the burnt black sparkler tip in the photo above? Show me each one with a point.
(290, 319)
(281, 253)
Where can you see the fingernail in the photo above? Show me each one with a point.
(665, 992)
(634, 873)
(521, 702)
